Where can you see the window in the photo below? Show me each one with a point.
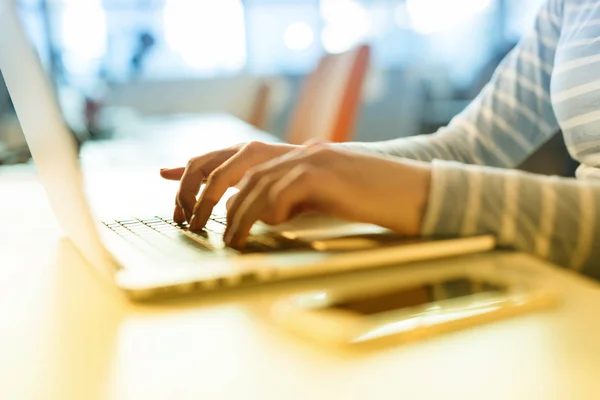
(121, 40)
(208, 36)
(81, 32)
(283, 37)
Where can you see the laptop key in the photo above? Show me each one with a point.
(215, 227)
(139, 228)
(253, 246)
(129, 222)
(157, 222)
(151, 220)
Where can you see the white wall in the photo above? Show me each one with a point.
(233, 95)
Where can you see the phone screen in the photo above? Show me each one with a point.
(419, 295)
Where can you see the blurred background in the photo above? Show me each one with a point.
(160, 57)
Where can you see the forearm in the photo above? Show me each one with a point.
(408, 147)
(450, 143)
(557, 219)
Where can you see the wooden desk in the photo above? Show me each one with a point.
(66, 335)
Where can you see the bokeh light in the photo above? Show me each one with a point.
(298, 36)
(347, 24)
(208, 34)
(432, 16)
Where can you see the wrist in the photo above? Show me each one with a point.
(423, 189)
(415, 189)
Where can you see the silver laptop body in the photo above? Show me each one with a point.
(152, 256)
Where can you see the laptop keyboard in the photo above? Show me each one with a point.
(161, 234)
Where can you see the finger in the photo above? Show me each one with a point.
(291, 195)
(273, 199)
(189, 187)
(249, 184)
(279, 167)
(172, 174)
(269, 171)
(303, 208)
(230, 201)
(196, 171)
(251, 206)
(178, 215)
(255, 202)
(222, 178)
(175, 175)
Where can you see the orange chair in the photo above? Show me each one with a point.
(330, 98)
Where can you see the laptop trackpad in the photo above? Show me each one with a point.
(325, 232)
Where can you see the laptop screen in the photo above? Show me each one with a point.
(52, 146)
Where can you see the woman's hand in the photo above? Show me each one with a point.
(344, 184)
(219, 170)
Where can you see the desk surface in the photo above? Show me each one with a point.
(66, 335)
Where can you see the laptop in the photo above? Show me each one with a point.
(151, 255)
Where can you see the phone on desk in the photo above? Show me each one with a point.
(419, 307)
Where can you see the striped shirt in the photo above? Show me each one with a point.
(549, 82)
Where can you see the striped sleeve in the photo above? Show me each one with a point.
(510, 118)
(553, 218)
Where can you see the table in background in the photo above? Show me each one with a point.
(66, 335)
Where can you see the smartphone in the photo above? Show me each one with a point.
(414, 309)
